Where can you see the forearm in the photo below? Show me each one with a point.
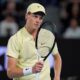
(57, 65)
(18, 72)
(14, 72)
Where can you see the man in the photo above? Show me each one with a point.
(8, 26)
(23, 63)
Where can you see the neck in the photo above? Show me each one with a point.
(31, 31)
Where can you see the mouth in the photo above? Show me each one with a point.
(36, 25)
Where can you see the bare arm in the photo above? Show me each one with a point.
(57, 66)
(15, 71)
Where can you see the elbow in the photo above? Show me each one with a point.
(58, 58)
(10, 73)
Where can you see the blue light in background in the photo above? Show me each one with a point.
(3, 52)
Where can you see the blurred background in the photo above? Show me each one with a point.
(65, 14)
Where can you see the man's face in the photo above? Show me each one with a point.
(34, 20)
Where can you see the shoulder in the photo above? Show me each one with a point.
(47, 33)
(17, 36)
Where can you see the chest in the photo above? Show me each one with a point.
(28, 50)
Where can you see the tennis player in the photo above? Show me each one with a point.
(22, 59)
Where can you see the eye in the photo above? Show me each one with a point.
(38, 16)
(41, 17)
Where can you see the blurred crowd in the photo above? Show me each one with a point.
(12, 14)
(70, 18)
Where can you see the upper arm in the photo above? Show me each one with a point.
(55, 50)
(13, 47)
(11, 62)
(57, 56)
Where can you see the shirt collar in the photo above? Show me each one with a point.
(26, 33)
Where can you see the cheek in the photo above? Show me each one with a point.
(30, 20)
(41, 22)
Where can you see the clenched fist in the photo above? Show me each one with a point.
(37, 67)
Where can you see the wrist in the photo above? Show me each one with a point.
(27, 71)
(57, 77)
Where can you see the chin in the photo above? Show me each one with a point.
(36, 27)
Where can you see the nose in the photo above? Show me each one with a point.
(38, 20)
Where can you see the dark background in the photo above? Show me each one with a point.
(57, 11)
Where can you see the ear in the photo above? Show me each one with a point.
(26, 16)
